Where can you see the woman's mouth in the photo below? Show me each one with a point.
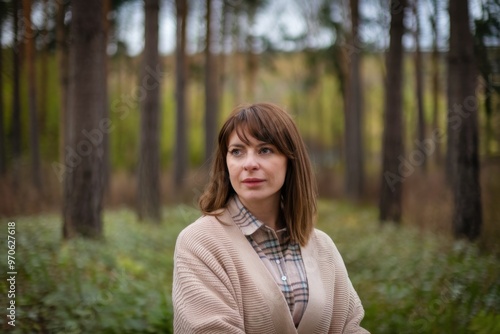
(252, 182)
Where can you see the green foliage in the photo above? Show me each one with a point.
(485, 323)
(412, 282)
(409, 282)
(119, 285)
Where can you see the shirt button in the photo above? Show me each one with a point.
(283, 278)
(278, 261)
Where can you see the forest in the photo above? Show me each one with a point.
(109, 114)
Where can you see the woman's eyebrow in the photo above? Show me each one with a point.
(236, 145)
(259, 144)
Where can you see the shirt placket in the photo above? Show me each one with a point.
(278, 258)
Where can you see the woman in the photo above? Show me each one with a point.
(254, 262)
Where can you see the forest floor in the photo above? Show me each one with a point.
(409, 280)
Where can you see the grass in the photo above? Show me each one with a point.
(409, 282)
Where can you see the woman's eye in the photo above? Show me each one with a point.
(265, 150)
(235, 152)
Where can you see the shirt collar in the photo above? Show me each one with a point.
(244, 219)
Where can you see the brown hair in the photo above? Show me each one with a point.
(271, 124)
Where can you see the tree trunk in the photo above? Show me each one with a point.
(353, 105)
(211, 84)
(252, 65)
(236, 61)
(105, 140)
(435, 80)
(63, 68)
(44, 69)
(83, 182)
(463, 124)
(419, 88)
(149, 206)
(181, 149)
(392, 146)
(227, 15)
(16, 132)
(3, 154)
(33, 114)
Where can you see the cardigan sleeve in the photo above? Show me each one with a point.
(356, 313)
(202, 294)
(347, 310)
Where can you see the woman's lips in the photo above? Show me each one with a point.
(250, 182)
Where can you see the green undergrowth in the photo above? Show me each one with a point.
(408, 281)
(414, 282)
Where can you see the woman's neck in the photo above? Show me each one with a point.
(266, 211)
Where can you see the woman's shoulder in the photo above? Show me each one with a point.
(324, 244)
(201, 226)
(322, 238)
(206, 228)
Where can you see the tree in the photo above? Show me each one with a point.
(16, 132)
(44, 67)
(3, 154)
(83, 177)
(181, 149)
(236, 63)
(486, 31)
(435, 75)
(353, 105)
(149, 206)
(227, 13)
(105, 141)
(392, 146)
(463, 124)
(211, 87)
(29, 39)
(62, 51)
(419, 82)
(252, 58)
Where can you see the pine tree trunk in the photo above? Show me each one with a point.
(83, 177)
(63, 69)
(149, 206)
(353, 115)
(181, 149)
(44, 69)
(32, 101)
(16, 132)
(211, 84)
(252, 59)
(419, 90)
(236, 60)
(391, 189)
(463, 124)
(227, 14)
(3, 154)
(435, 81)
(105, 139)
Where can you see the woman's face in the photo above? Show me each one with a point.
(257, 171)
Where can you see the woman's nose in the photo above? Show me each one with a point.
(250, 162)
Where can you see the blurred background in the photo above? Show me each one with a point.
(326, 63)
(109, 113)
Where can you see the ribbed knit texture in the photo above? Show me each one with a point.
(221, 286)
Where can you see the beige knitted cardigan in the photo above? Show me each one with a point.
(221, 286)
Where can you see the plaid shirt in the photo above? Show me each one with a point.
(281, 257)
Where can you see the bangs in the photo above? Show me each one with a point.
(264, 126)
(247, 122)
